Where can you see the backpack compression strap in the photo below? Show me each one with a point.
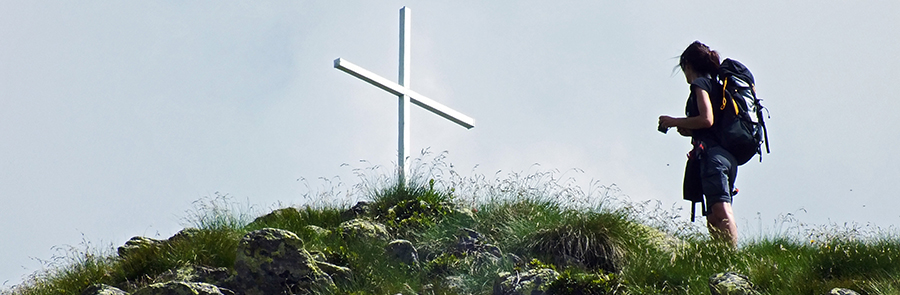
(725, 101)
(725, 84)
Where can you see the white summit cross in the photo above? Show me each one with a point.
(405, 94)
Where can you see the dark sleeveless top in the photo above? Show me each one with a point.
(714, 90)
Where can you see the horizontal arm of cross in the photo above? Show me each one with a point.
(396, 89)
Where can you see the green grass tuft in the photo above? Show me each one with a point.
(581, 239)
(70, 274)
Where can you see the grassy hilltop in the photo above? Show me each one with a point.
(619, 247)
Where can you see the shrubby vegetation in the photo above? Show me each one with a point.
(599, 242)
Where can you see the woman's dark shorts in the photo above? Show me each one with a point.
(718, 170)
(709, 177)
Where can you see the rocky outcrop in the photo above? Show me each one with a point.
(103, 289)
(182, 288)
(403, 251)
(842, 291)
(337, 273)
(362, 208)
(184, 235)
(364, 229)
(531, 282)
(197, 273)
(476, 246)
(139, 244)
(268, 261)
(273, 261)
(316, 230)
(149, 246)
(730, 283)
(469, 240)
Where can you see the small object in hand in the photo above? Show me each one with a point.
(662, 129)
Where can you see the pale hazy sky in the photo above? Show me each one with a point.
(115, 116)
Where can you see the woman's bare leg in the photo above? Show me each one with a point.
(721, 223)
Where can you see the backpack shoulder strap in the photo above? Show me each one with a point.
(725, 95)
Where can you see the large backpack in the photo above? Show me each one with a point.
(739, 126)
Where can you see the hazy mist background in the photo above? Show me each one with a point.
(116, 116)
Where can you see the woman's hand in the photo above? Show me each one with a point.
(668, 122)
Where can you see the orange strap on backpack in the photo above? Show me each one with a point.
(722, 107)
(725, 101)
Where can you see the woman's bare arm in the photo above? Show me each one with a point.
(703, 120)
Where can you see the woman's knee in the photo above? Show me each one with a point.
(720, 211)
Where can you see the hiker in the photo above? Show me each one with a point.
(711, 170)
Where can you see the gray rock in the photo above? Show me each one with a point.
(197, 273)
(182, 288)
(318, 255)
(842, 291)
(102, 289)
(731, 283)
(493, 250)
(365, 229)
(148, 245)
(473, 244)
(317, 230)
(139, 244)
(404, 251)
(273, 261)
(213, 276)
(362, 208)
(336, 272)
(531, 282)
(471, 241)
(186, 234)
(484, 259)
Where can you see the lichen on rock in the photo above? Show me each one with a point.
(404, 251)
(139, 244)
(197, 273)
(530, 282)
(361, 228)
(273, 261)
(731, 283)
(842, 291)
(102, 289)
(182, 288)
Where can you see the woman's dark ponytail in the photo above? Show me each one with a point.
(701, 59)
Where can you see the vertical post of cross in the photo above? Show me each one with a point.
(403, 111)
(406, 95)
